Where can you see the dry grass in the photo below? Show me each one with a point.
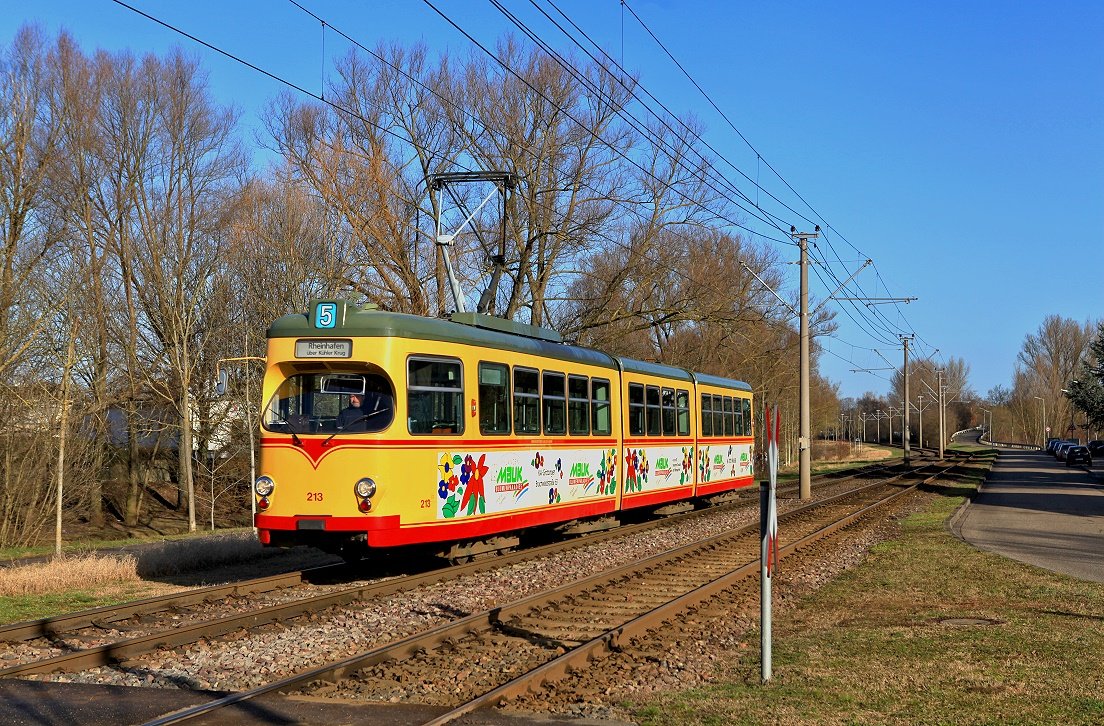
(86, 580)
(93, 571)
(830, 456)
(65, 573)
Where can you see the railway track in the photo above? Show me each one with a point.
(514, 648)
(117, 634)
(129, 655)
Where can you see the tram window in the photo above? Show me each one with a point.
(600, 406)
(654, 411)
(343, 383)
(322, 403)
(494, 398)
(729, 419)
(738, 414)
(526, 401)
(578, 405)
(682, 408)
(718, 416)
(636, 409)
(553, 399)
(435, 396)
(707, 414)
(326, 407)
(667, 402)
(745, 403)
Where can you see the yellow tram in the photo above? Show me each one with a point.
(385, 429)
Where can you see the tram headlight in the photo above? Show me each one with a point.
(365, 488)
(263, 486)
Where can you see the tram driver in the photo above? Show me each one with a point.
(370, 411)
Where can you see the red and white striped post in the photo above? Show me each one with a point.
(768, 526)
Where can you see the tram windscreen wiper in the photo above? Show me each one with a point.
(354, 422)
(295, 439)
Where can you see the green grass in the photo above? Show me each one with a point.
(33, 607)
(870, 647)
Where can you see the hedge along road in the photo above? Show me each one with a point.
(1037, 510)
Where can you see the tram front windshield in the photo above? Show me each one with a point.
(329, 403)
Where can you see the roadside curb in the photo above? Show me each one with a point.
(954, 522)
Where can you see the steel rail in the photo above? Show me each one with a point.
(182, 635)
(434, 637)
(613, 639)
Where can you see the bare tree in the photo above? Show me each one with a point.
(29, 242)
(355, 159)
(560, 133)
(1047, 362)
(73, 193)
(184, 198)
(29, 133)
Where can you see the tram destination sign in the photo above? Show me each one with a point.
(323, 348)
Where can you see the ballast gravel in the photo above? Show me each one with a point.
(248, 659)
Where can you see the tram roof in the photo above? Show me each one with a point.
(632, 365)
(373, 323)
(659, 369)
(721, 381)
(481, 330)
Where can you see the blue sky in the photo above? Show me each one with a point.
(959, 145)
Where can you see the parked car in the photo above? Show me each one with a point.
(1050, 444)
(1061, 448)
(1053, 444)
(1096, 448)
(1078, 455)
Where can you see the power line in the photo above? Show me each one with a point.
(717, 108)
(532, 35)
(336, 106)
(888, 328)
(525, 82)
(632, 120)
(670, 114)
(382, 129)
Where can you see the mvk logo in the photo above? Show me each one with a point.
(663, 463)
(579, 469)
(509, 475)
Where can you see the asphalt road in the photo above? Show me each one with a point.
(1037, 510)
(36, 703)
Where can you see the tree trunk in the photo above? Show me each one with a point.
(187, 480)
(134, 479)
(63, 434)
